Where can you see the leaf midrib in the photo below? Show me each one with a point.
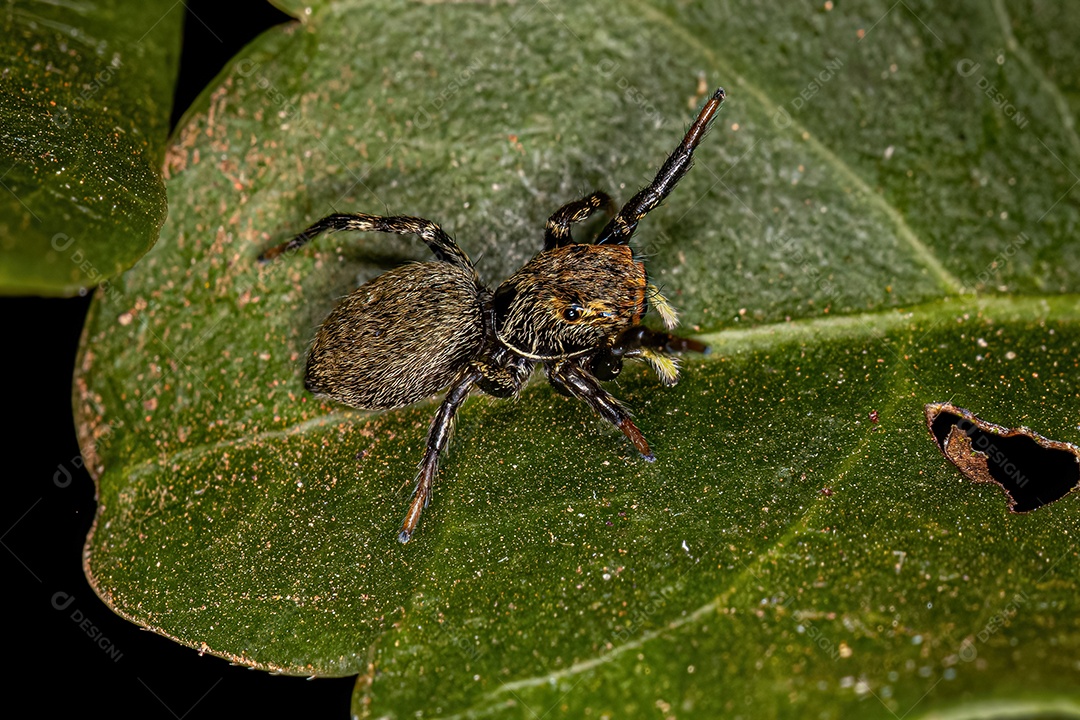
(721, 343)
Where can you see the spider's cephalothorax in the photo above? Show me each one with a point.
(569, 300)
(574, 308)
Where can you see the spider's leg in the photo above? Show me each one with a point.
(557, 230)
(441, 244)
(438, 434)
(640, 337)
(622, 226)
(502, 375)
(569, 378)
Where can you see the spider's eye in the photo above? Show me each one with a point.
(572, 313)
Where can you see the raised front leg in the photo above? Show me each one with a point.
(569, 378)
(557, 230)
(441, 244)
(622, 226)
(438, 434)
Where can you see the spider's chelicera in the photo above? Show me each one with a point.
(574, 308)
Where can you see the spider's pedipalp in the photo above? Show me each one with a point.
(667, 311)
(666, 366)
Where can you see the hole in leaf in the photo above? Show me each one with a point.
(1032, 470)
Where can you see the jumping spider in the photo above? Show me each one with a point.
(575, 308)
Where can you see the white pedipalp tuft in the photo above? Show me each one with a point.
(666, 366)
(667, 311)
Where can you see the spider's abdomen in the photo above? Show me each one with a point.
(398, 338)
(569, 299)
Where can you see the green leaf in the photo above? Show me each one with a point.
(785, 555)
(84, 116)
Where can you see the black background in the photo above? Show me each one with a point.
(49, 660)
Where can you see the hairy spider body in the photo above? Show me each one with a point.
(575, 308)
(399, 338)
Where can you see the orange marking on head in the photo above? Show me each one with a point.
(640, 285)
